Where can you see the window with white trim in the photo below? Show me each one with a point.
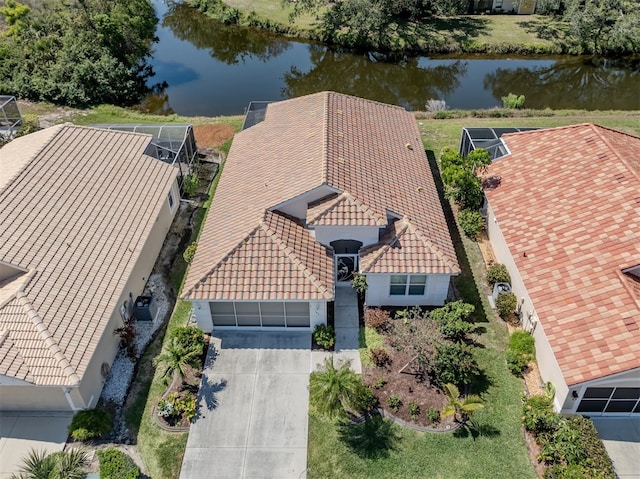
(408, 284)
(172, 201)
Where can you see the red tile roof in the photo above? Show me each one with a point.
(371, 153)
(568, 205)
(75, 214)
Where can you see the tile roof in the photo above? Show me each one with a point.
(76, 216)
(568, 205)
(342, 210)
(369, 152)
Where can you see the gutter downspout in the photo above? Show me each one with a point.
(67, 394)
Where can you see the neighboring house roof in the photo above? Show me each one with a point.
(75, 214)
(370, 154)
(568, 205)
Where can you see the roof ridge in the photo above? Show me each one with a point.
(209, 271)
(330, 205)
(367, 210)
(324, 178)
(290, 254)
(598, 130)
(47, 338)
(431, 245)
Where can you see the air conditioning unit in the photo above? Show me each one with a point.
(500, 288)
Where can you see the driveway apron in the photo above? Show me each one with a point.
(254, 408)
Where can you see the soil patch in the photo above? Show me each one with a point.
(212, 135)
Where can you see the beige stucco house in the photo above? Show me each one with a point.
(83, 215)
(327, 185)
(563, 215)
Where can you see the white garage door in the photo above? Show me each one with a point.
(260, 314)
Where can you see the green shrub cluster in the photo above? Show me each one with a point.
(498, 273)
(89, 424)
(460, 178)
(189, 337)
(115, 464)
(324, 336)
(520, 352)
(394, 402)
(190, 252)
(570, 448)
(513, 101)
(506, 304)
(471, 223)
(455, 320)
(177, 405)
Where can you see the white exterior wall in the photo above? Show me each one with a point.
(203, 315)
(326, 234)
(297, 206)
(378, 291)
(546, 359)
(318, 313)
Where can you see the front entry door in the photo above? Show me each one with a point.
(346, 265)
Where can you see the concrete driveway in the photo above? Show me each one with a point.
(621, 438)
(22, 431)
(254, 408)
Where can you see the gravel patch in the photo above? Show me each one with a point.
(117, 384)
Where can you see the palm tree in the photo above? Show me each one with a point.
(59, 465)
(333, 391)
(176, 357)
(460, 409)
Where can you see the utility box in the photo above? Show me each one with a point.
(145, 308)
(500, 288)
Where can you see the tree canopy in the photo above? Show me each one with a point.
(77, 52)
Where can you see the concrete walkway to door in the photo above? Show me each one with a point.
(347, 327)
(254, 406)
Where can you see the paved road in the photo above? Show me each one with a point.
(254, 409)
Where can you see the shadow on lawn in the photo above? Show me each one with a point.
(373, 438)
(475, 430)
(465, 282)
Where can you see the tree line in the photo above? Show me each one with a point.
(76, 52)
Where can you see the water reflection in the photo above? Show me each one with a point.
(215, 69)
(402, 82)
(229, 44)
(592, 84)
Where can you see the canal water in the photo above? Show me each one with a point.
(212, 69)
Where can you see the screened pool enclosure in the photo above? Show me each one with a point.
(10, 117)
(488, 138)
(173, 144)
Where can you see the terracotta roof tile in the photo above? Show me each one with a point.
(75, 215)
(369, 152)
(567, 200)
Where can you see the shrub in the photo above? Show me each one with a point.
(471, 223)
(89, 424)
(413, 409)
(190, 252)
(377, 318)
(538, 416)
(453, 310)
(497, 273)
(190, 184)
(567, 471)
(187, 406)
(454, 363)
(517, 362)
(506, 304)
(365, 399)
(380, 382)
(115, 464)
(324, 336)
(513, 102)
(379, 356)
(127, 334)
(30, 123)
(394, 402)
(359, 283)
(523, 342)
(189, 337)
(433, 415)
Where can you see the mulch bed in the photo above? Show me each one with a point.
(212, 135)
(408, 388)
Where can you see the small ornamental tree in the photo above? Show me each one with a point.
(335, 390)
(506, 304)
(471, 223)
(454, 363)
(460, 408)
